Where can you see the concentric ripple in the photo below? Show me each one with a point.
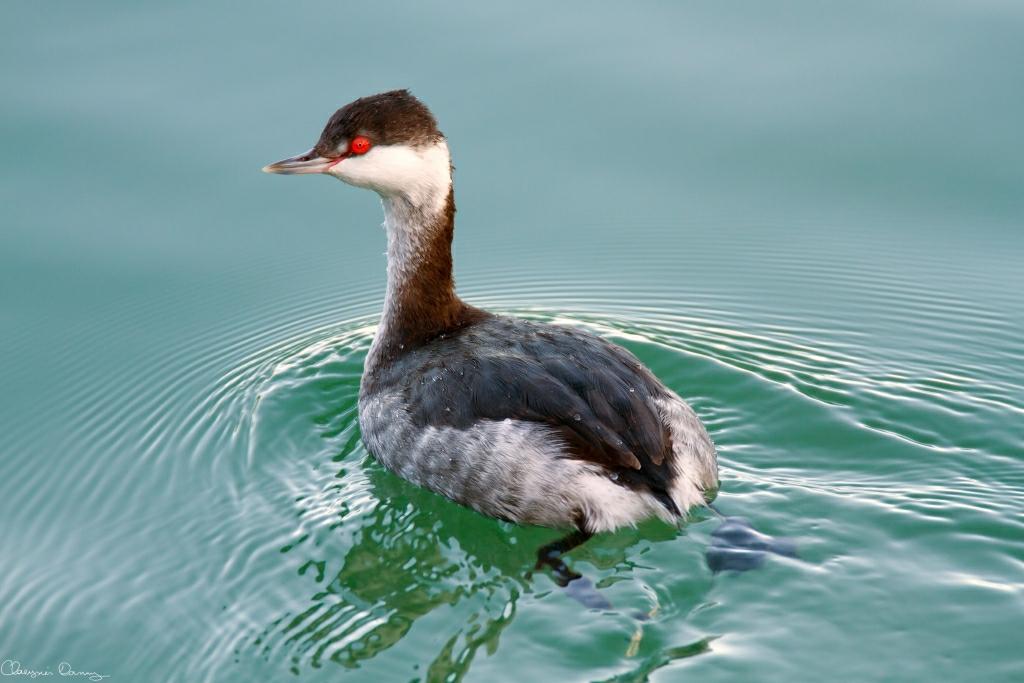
(224, 515)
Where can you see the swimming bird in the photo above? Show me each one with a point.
(527, 422)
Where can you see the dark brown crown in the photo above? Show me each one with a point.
(390, 118)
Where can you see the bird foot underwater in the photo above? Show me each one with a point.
(575, 585)
(735, 546)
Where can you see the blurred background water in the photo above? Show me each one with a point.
(805, 217)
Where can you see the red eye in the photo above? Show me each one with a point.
(359, 145)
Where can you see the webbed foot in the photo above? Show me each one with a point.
(737, 546)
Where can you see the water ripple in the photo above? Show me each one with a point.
(318, 558)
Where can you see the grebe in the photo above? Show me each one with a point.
(519, 420)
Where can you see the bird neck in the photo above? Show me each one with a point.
(420, 303)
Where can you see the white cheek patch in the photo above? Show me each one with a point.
(420, 174)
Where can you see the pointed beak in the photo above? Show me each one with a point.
(310, 162)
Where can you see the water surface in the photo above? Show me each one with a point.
(807, 219)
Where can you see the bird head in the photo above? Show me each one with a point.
(388, 143)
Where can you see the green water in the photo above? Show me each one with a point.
(805, 217)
